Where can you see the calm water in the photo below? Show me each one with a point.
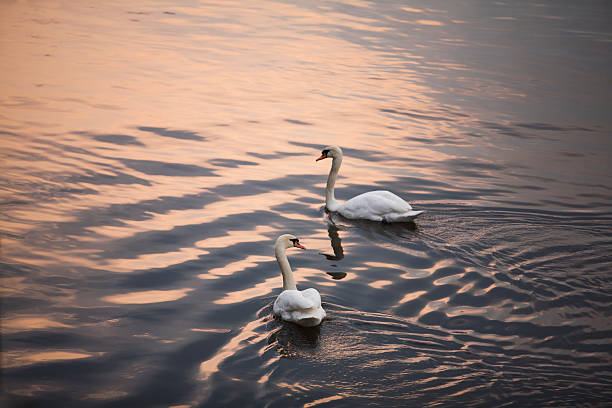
(153, 151)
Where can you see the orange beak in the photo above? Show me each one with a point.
(298, 245)
(323, 156)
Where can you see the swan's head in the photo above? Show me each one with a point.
(288, 241)
(330, 151)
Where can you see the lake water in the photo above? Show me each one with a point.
(152, 152)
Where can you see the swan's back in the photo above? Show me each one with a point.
(301, 307)
(379, 205)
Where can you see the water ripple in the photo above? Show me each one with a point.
(137, 265)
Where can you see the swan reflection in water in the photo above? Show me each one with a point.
(293, 341)
(336, 222)
(336, 244)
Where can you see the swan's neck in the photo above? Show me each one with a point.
(330, 198)
(283, 263)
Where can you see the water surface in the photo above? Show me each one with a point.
(152, 153)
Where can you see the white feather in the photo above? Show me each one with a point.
(379, 205)
(300, 306)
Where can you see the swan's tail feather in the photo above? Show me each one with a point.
(403, 217)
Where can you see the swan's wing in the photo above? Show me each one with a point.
(301, 307)
(313, 297)
(403, 217)
(292, 300)
(313, 315)
(374, 205)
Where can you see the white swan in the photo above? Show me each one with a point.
(379, 205)
(302, 307)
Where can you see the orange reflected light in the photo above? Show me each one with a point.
(12, 285)
(469, 310)
(229, 269)
(30, 323)
(430, 22)
(412, 10)
(343, 109)
(380, 284)
(211, 330)
(247, 333)
(448, 279)
(227, 207)
(298, 387)
(467, 287)
(150, 296)
(411, 296)
(26, 357)
(150, 261)
(107, 394)
(421, 273)
(434, 305)
(374, 264)
(259, 290)
(237, 236)
(323, 401)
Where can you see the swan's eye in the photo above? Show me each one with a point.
(295, 241)
(324, 152)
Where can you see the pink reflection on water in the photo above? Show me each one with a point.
(411, 296)
(236, 266)
(252, 86)
(260, 289)
(246, 334)
(421, 273)
(238, 236)
(379, 284)
(152, 261)
(21, 358)
(323, 401)
(22, 323)
(430, 22)
(146, 297)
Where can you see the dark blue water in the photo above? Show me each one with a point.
(152, 153)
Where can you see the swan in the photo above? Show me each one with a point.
(379, 205)
(302, 307)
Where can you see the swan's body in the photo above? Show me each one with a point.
(379, 205)
(302, 307)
